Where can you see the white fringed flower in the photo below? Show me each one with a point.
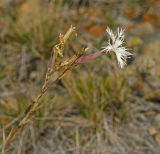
(115, 44)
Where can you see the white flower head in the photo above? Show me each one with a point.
(115, 44)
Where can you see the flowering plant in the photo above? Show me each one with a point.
(115, 44)
(59, 66)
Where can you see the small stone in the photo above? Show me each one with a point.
(152, 131)
(33, 75)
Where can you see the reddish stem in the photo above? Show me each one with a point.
(91, 56)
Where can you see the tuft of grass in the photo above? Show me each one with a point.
(34, 24)
(97, 95)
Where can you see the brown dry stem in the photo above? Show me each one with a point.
(56, 64)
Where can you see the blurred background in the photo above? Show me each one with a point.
(96, 108)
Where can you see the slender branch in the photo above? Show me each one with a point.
(34, 105)
(91, 56)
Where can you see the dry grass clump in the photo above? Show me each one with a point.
(97, 96)
(33, 24)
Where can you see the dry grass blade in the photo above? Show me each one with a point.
(56, 61)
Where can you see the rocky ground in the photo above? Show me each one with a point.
(66, 130)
